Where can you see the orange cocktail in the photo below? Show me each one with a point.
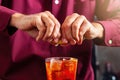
(61, 68)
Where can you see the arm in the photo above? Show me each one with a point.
(30, 24)
(41, 25)
(106, 31)
(109, 17)
(77, 28)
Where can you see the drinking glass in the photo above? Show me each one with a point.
(61, 68)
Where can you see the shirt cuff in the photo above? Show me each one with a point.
(111, 33)
(5, 15)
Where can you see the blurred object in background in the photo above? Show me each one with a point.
(98, 71)
(108, 73)
(107, 54)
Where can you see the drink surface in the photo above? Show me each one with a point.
(61, 68)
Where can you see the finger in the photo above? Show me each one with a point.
(83, 30)
(41, 28)
(49, 26)
(40, 35)
(56, 40)
(63, 39)
(32, 32)
(56, 29)
(76, 26)
(67, 26)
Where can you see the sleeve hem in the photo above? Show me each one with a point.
(5, 15)
(111, 33)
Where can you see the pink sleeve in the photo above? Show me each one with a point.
(108, 13)
(5, 15)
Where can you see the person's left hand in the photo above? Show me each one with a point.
(76, 28)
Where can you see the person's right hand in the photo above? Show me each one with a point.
(40, 26)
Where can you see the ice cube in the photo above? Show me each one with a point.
(55, 65)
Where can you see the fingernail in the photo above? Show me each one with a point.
(64, 40)
(50, 40)
(56, 45)
(72, 42)
(56, 40)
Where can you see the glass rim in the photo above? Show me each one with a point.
(60, 58)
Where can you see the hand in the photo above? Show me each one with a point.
(76, 28)
(40, 26)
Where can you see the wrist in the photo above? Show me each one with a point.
(100, 30)
(99, 40)
(15, 18)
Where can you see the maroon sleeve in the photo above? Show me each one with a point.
(5, 15)
(108, 13)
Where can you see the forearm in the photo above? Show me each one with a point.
(15, 19)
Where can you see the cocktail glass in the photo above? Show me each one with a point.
(61, 68)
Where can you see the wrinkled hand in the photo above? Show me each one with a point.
(40, 26)
(76, 28)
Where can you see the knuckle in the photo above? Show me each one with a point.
(51, 24)
(75, 26)
(68, 23)
(48, 12)
(50, 29)
(43, 29)
(67, 16)
(75, 14)
(81, 34)
(82, 16)
(58, 25)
